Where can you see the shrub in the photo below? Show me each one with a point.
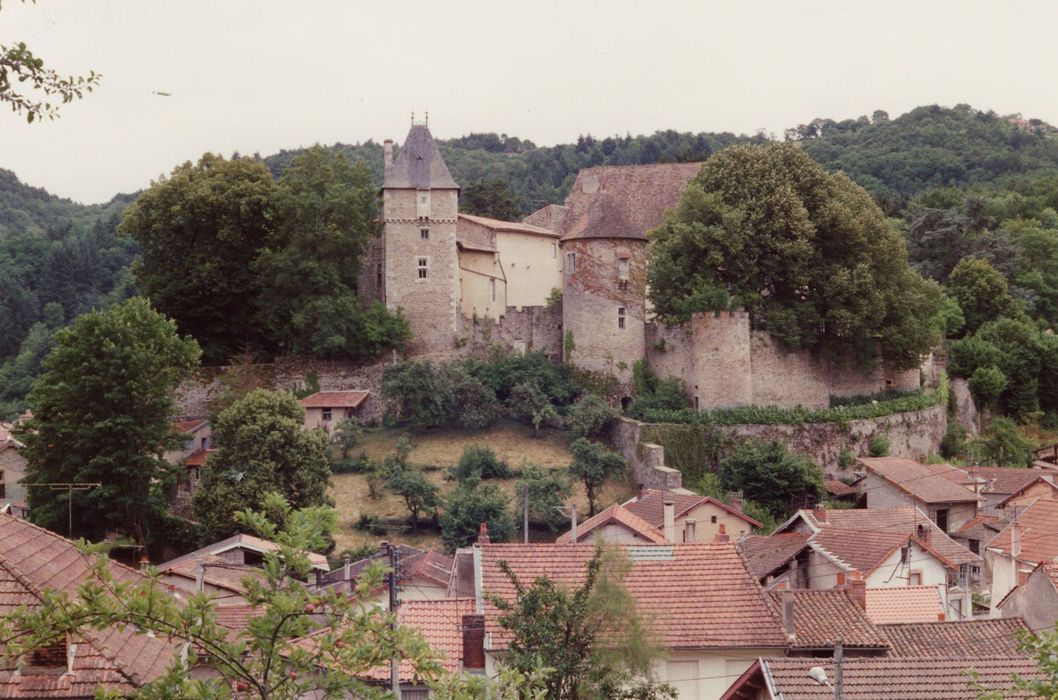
(505, 370)
(480, 462)
(474, 405)
(471, 503)
(1003, 445)
(846, 458)
(589, 416)
(654, 394)
(371, 524)
(987, 384)
(549, 489)
(529, 403)
(878, 446)
(353, 465)
(954, 444)
(767, 473)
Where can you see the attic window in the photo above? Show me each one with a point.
(905, 554)
(50, 657)
(422, 204)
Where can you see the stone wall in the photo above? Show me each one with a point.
(530, 328)
(647, 460)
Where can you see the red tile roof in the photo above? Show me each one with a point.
(1037, 529)
(236, 617)
(929, 483)
(904, 604)
(33, 560)
(197, 458)
(863, 553)
(839, 488)
(906, 519)
(766, 554)
(882, 678)
(415, 565)
(508, 226)
(650, 506)
(335, 399)
(624, 201)
(1004, 480)
(616, 515)
(996, 637)
(821, 617)
(699, 596)
(980, 527)
(1047, 479)
(189, 425)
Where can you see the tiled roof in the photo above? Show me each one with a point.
(901, 678)
(1004, 480)
(218, 573)
(1047, 479)
(650, 506)
(929, 483)
(821, 617)
(858, 551)
(240, 541)
(766, 554)
(904, 604)
(549, 216)
(624, 201)
(618, 515)
(475, 246)
(415, 564)
(508, 226)
(33, 560)
(995, 637)
(905, 519)
(699, 596)
(419, 164)
(1037, 530)
(197, 458)
(189, 425)
(980, 527)
(236, 617)
(839, 488)
(335, 399)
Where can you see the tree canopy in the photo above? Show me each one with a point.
(101, 414)
(806, 252)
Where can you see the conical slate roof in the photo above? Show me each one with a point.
(419, 164)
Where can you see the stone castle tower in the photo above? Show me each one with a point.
(416, 265)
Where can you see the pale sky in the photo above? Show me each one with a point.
(258, 76)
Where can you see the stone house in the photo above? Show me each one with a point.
(998, 483)
(687, 517)
(325, 409)
(197, 435)
(615, 524)
(946, 494)
(1029, 537)
(424, 575)
(12, 469)
(1035, 600)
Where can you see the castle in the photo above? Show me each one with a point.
(460, 278)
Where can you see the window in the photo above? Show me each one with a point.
(621, 317)
(571, 262)
(326, 414)
(422, 263)
(422, 204)
(205, 442)
(905, 554)
(3, 486)
(554, 250)
(492, 289)
(712, 519)
(622, 269)
(424, 233)
(378, 275)
(841, 578)
(942, 519)
(914, 578)
(975, 546)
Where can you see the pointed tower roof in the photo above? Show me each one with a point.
(419, 164)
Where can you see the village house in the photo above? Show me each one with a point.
(1029, 537)
(325, 409)
(814, 621)
(424, 575)
(197, 435)
(999, 483)
(712, 617)
(12, 469)
(220, 568)
(117, 660)
(615, 524)
(944, 493)
(907, 604)
(1035, 600)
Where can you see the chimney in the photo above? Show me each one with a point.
(792, 575)
(670, 521)
(819, 512)
(474, 643)
(721, 535)
(923, 532)
(689, 527)
(483, 534)
(788, 614)
(857, 589)
(641, 490)
(387, 150)
(734, 500)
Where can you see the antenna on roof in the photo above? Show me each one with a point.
(427, 123)
(413, 117)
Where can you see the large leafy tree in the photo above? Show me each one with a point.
(262, 446)
(807, 252)
(981, 292)
(471, 503)
(491, 198)
(101, 414)
(594, 465)
(768, 474)
(591, 637)
(200, 230)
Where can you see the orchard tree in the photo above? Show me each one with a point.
(471, 503)
(808, 253)
(594, 465)
(411, 484)
(101, 414)
(262, 446)
(200, 231)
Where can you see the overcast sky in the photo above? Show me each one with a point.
(258, 76)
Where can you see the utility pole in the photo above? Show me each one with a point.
(525, 513)
(394, 601)
(839, 681)
(69, 488)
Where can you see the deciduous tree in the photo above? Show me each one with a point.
(594, 465)
(767, 473)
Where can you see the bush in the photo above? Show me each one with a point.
(654, 394)
(505, 370)
(471, 503)
(474, 406)
(987, 385)
(954, 444)
(1003, 445)
(767, 473)
(589, 416)
(353, 465)
(549, 489)
(846, 458)
(371, 524)
(529, 403)
(878, 446)
(430, 396)
(481, 462)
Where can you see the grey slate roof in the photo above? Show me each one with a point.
(419, 164)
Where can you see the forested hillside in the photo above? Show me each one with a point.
(964, 183)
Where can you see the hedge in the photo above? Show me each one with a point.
(772, 415)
